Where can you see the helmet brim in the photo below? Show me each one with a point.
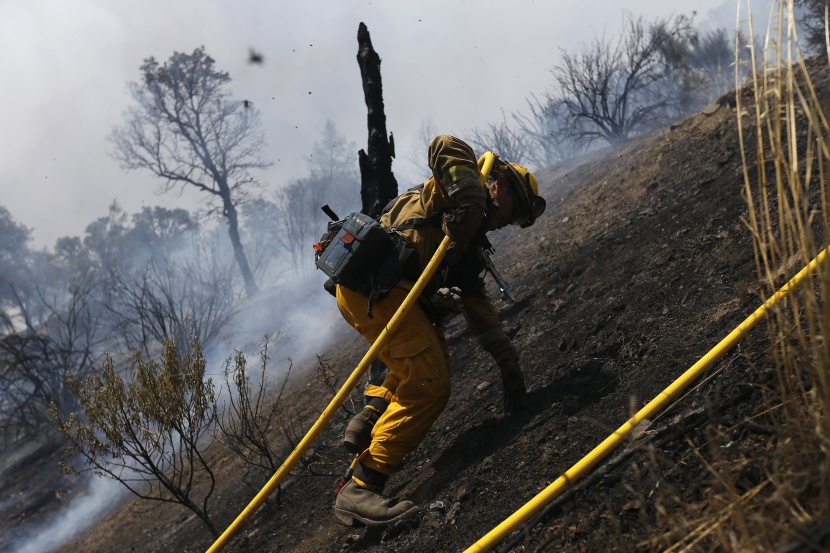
(532, 205)
(537, 207)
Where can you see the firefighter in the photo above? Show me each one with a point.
(400, 411)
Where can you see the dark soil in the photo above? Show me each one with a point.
(640, 266)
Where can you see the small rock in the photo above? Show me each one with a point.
(483, 386)
(437, 505)
(724, 159)
(350, 540)
(512, 330)
(452, 514)
(486, 465)
(638, 430)
(566, 220)
(633, 505)
(665, 311)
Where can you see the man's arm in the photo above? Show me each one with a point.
(455, 167)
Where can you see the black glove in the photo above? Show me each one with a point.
(448, 302)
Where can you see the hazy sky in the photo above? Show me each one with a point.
(65, 65)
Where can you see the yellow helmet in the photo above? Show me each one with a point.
(528, 176)
(527, 188)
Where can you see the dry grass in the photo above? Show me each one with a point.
(775, 492)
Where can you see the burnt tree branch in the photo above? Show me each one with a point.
(377, 182)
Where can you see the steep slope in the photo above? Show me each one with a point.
(639, 267)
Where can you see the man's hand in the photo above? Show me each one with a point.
(515, 392)
(447, 304)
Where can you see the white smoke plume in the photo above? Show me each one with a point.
(75, 517)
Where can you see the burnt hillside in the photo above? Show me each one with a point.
(640, 265)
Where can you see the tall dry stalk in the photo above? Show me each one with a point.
(788, 214)
(785, 147)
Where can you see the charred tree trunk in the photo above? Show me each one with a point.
(229, 211)
(377, 182)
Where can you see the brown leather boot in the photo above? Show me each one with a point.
(355, 504)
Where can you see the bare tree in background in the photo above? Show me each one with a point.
(549, 134)
(508, 143)
(297, 221)
(334, 173)
(416, 158)
(171, 299)
(712, 55)
(616, 91)
(292, 220)
(283, 227)
(187, 130)
(146, 432)
(49, 325)
(14, 257)
(701, 65)
(36, 352)
(811, 16)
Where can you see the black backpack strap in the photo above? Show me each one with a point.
(374, 295)
(433, 220)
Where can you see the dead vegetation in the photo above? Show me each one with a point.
(649, 255)
(777, 489)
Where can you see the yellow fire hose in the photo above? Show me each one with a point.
(485, 164)
(652, 408)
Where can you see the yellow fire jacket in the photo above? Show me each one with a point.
(455, 191)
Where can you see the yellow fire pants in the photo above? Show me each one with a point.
(418, 383)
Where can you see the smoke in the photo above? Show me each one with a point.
(297, 314)
(300, 317)
(76, 516)
(724, 16)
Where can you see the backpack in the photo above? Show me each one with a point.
(359, 253)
